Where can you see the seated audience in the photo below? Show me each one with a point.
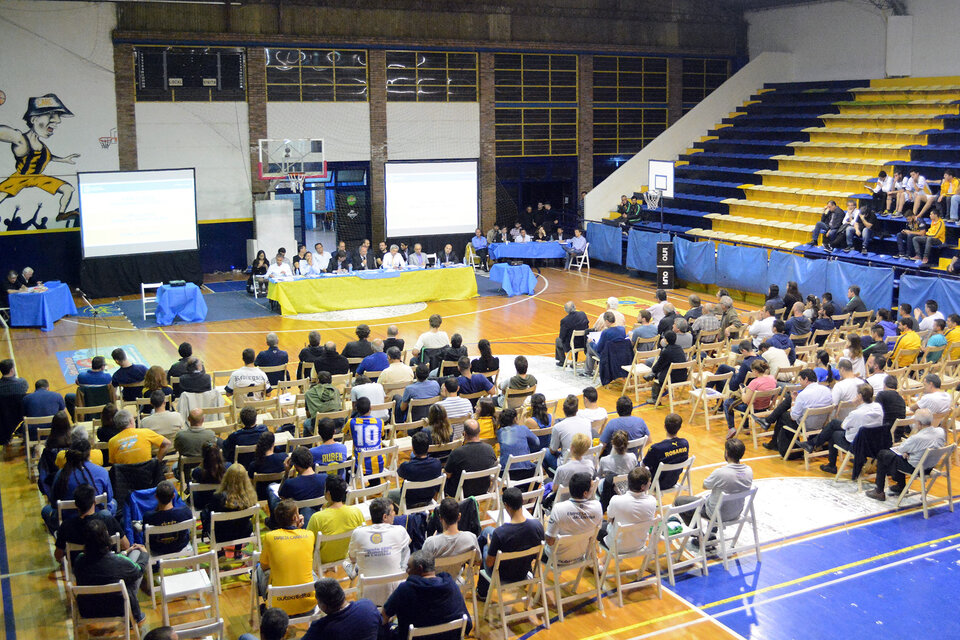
(519, 381)
(789, 412)
(334, 519)
(733, 477)
(425, 599)
(457, 408)
(377, 361)
(472, 455)
(266, 460)
(392, 340)
(323, 397)
(155, 380)
(644, 333)
(195, 380)
(329, 451)
(419, 468)
(595, 349)
(366, 431)
(71, 530)
(248, 376)
(272, 356)
(904, 457)
(574, 320)
(619, 319)
(357, 619)
(451, 541)
(432, 339)
(866, 413)
(167, 423)
(619, 461)
(934, 399)
(132, 445)
(592, 410)
(577, 462)
(378, 549)
(518, 533)
(471, 383)
(300, 482)
(286, 558)
(167, 514)
(672, 450)
(396, 372)
(577, 247)
(235, 493)
(247, 435)
(633, 507)
(564, 432)
(359, 348)
(99, 564)
(893, 405)
(515, 440)
(96, 377)
(310, 353)
(669, 354)
(41, 403)
(633, 426)
(363, 387)
(422, 389)
(273, 626)
(128, 376)
(580, 514)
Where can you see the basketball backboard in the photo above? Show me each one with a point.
(281, 158)
(660, 177)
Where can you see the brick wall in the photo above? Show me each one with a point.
(125, 88)
(674, 90)
(585, 124)
(377, 87)
(256, 112)
(488, 159)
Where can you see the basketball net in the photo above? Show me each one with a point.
(296, 180)
(652, 198)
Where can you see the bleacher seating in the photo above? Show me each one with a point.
(764, 174)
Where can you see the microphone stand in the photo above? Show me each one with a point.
(95, 313)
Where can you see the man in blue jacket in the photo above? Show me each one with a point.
(610, 333)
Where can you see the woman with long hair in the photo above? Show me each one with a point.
(57, 441)
(825, 371)
(486, 362)
(235, 493)
(792, 296)
(540, 417)
(516, 439)
(155, 380)
(439, 427)
(812, 307)
(258, 268)
(265, 461)
(854, 353)
(486, 410)
(107, 429)
(213, 468)
(77, 469)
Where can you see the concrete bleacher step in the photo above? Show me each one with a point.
(917, 108)
(759, 147)
(771, 97)
(789, 119)
(834, 165)
(872, 151)
(723, 174)
(777, 212)
(740, 160)
(853, 136)
(761, 227)
(778, 108)
(794, 196)
(830, 182)
(741, 238)
(723, 189)
(890, 121)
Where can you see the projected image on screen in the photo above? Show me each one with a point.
(431, 198)
(130, 212)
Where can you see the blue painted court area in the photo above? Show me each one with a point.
(885, 577)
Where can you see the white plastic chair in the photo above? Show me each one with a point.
(409, 485)
(188, 577)
(682, 558)
(190, 549)
(436, 629)
(619, 551)
(532, 596)
(932, 465)
(555, 568)
(727, 545)
(683, 481)
(582, 260)
(82, 625)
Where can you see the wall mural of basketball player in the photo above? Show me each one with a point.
(31, 154)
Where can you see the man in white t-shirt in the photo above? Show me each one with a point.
(321, 258)
(458, 409)
(434, 338)
(279, 268)
(656, 310)
(633, 507)
(563, 432)
(875, 372)
(845, 389)
(363, 387)
(592, 410)
(579, 514)
(927, 315)
(933, 399)
(762, 327)
(917, 189)
(247, 376)
(378, 549)
(619, 320)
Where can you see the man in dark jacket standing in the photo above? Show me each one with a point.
(573, 321)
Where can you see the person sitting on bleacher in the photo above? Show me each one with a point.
(917, 190)
(882, 192)
(933, 238)
(867, 413)
(829, 225)
(909, 340)
(864, 227)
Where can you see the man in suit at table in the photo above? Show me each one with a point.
(573, 321)
(448, 257)
(364, 259)
(340, 263)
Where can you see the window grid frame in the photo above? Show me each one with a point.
(644, 141)
(333, 67)
(446, 69)
(523, 140)
(701, 86)
(642, 73)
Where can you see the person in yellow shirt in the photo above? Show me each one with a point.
(952, 333)
(949, 195)
(132, 445)
(335, 518)
(908, 341)
(287, 559)
(933, 238)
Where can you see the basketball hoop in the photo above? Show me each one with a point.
(652, 198)
(296, 181)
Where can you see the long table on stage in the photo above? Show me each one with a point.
(373, 288)
(527, 250)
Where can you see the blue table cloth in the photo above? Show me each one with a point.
(186, 302)
(42, 308)
(526, 250)
(514, 279)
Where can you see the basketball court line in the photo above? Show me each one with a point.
(313, 323)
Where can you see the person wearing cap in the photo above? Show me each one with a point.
(31, 155)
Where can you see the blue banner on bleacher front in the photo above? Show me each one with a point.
(606, 243)
(642, 250)
(743, 268)
(876, 284)
(810, 275)
(916, 290)
(695, 261)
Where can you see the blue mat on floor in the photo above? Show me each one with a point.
(229, 285)
(231, 305)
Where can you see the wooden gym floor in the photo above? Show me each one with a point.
(33, 598)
